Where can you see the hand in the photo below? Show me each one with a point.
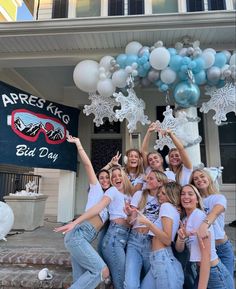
(153, 127)
(115, 159)
(72, 139)
(143, 220)
(65, 229)
(182, 233)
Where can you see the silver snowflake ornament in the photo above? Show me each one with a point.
(222, 101)
(102, 107)
(132, 108)
(176, 125)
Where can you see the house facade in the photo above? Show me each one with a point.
(40, 56)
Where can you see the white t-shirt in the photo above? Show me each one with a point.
(184, 176)
(218, 225)
(117, 204)
(171, 212)
(193, 222)
(95, 194)
(151, 209)
(136, 180)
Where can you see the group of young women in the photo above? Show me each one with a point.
(151, 215)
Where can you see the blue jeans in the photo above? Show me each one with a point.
(137, 258)
(226, 254)
(165, 273)
(113, 251)
(87, 265)
(219, 278)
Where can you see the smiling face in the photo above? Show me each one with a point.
(117, 180)
(188, 198)
(201, 181)
(155, 161)
(152, 182)
(162, 197)
(174, 158)
(104, 180)
(133, 159)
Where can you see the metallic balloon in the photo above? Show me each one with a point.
(186, 94)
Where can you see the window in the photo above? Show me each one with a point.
(227, 140)
(88, 8)
(115, 7)
(135, 7)
(216, 5)
(164, 6)
(107, 127)
(195, 5)
(60, 9)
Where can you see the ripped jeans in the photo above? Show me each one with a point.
(113, 251)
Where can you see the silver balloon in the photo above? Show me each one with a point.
(143, 50)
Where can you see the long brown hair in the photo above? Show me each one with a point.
(160, 176)
(198, 195)
(178, 171)
(139, 169)
(172, 190)
(126, 181)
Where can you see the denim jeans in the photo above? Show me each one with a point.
(165, 273)
(226, 254)
(113, 251)
(137, 259)
(219, 278)
(87, 265)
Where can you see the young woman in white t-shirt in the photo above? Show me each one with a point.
(215, 205)
(212, 274)
(88, 267)
(166, 271)
(115, 239)
(139, 242)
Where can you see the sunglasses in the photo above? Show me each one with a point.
(28, 125)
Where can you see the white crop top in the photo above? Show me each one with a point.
(184, 176)
(169, 211)
(117, 204)
(151, 209)
(193, 222)
(95, 194)
(219, 223)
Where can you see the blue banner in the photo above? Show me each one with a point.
(33, 131)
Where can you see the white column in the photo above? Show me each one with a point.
(66, 196)
(191, 129)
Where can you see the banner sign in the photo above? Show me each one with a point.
(33, 131)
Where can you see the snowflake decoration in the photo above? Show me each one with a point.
(222, 101)
(132, 108)
(101, 107)
(177, 125)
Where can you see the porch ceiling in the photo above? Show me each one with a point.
(62, 43)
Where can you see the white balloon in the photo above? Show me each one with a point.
(232, 60)
(86, 75)
(168, 75)
(223, 69)
(133, 47)
(227, 54)
(6, 220)
(119, 78)
(105, 87)
(183, 51)
(106, 62)
(209, 59)
(210, 50)
(213, 74)
(159, 58)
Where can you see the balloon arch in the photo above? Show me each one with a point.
(180, 70)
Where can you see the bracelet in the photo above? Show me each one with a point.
(206, 221)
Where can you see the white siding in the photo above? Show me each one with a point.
(45, 10)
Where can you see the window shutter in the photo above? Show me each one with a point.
(60, 9)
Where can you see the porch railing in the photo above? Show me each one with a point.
(12, 182)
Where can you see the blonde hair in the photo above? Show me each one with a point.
(198, 195)
(172, 191)
(178, 171)
(159, 155)
(139, 169)
(126, 181)
(211, 188)
(161, 177)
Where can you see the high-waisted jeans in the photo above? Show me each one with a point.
(87, 265)
(113, 251)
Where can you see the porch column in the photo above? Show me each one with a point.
(66, 196)
(191, 129)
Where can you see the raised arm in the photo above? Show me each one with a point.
(182, 151)
(113, 162)
(205, 247)
(85, 159)
(146, 140)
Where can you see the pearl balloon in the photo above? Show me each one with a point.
(159, 58)
(7, 220)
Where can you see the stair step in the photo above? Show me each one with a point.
(27, 277)
(33, 256)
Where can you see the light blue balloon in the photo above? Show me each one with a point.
(142, 72)
(199, 64)
(186, 94)
(164, 87)
(175, 62)
(200, 77)
(182, 75)
(220, 59)
(172, 51)
(130, 59)
(147, 65)
(184, 68)
(192, 64)
(121, 60)
(186, 60)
